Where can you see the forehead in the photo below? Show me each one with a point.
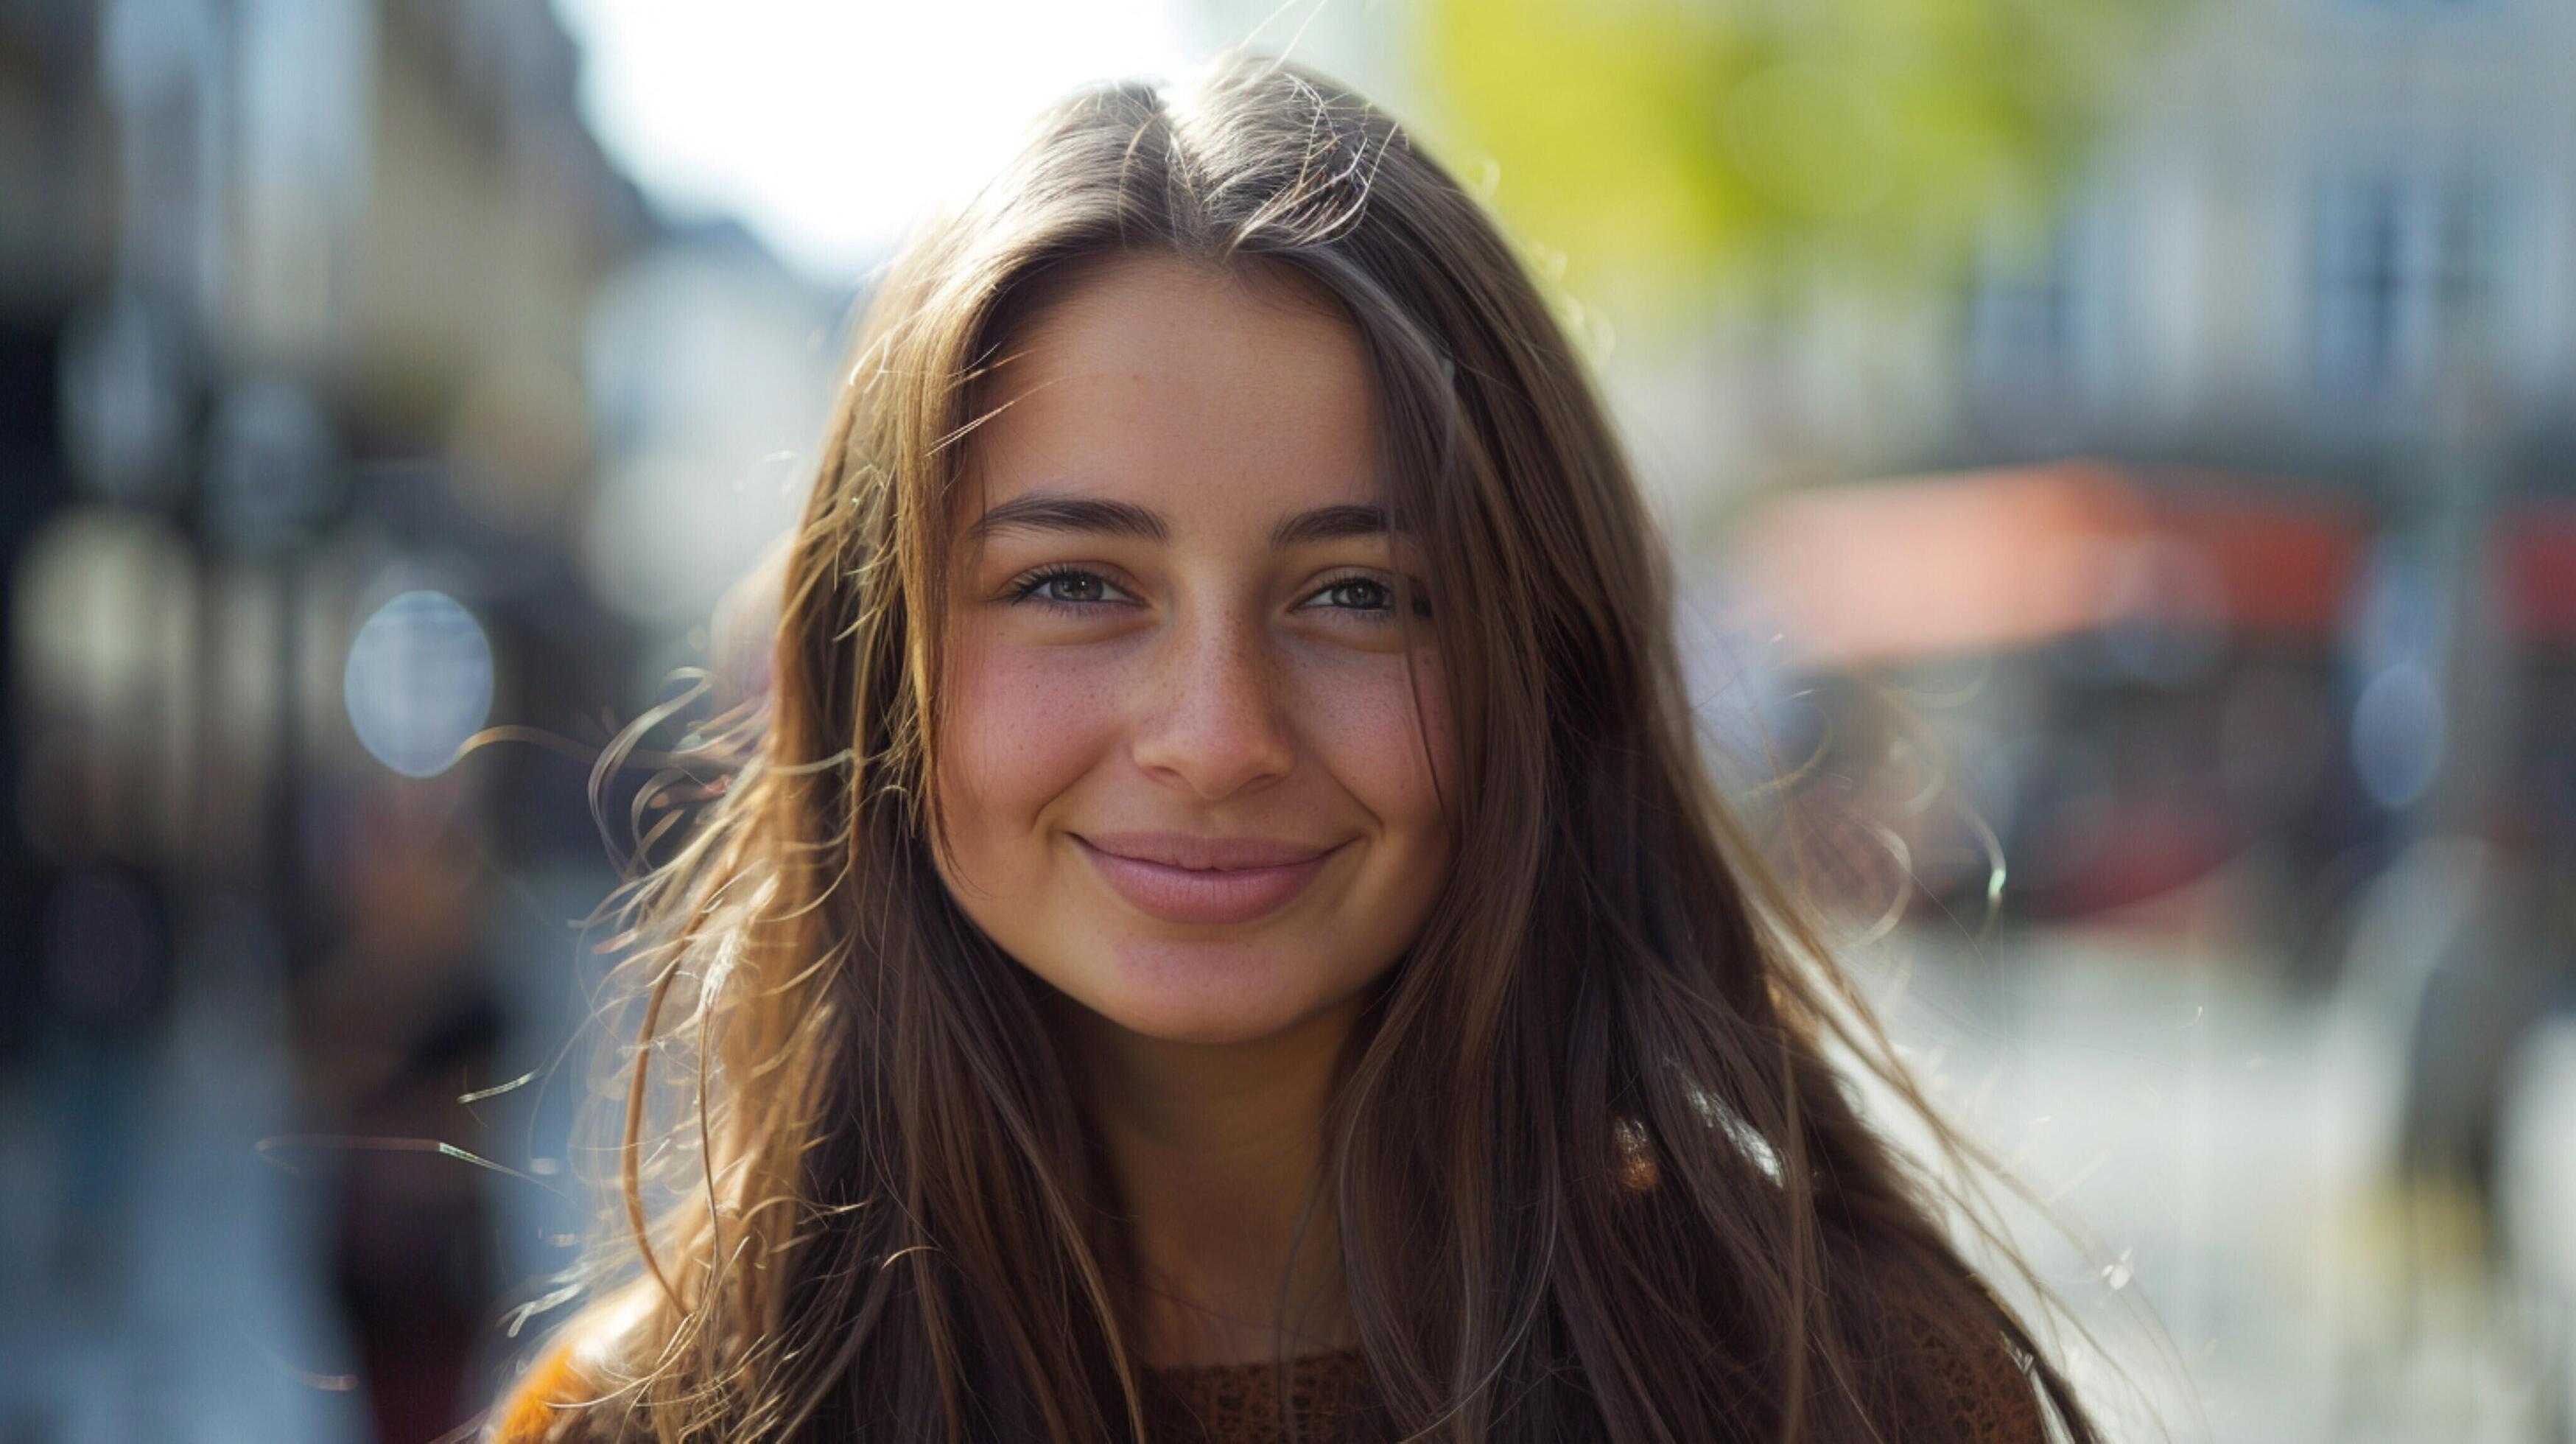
(1193, 391)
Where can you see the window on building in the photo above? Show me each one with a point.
(2405, 267)
(2031, 322)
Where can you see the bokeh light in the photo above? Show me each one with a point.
(419, 682)
(2397, 734)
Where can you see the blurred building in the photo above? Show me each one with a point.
(265, 260)
(2324, 227)
(2305, 314)
(309, 434)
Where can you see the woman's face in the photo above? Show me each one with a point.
(1186, 783)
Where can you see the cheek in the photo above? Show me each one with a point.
(1364, 726)
(1023, 724)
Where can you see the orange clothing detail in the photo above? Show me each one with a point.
(535, 1412)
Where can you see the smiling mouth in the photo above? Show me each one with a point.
(1204, 880)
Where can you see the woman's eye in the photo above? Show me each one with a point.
(1066, 588)
(1368, 598)
(1358, 594)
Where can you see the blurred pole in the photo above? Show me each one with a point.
(2480, 985)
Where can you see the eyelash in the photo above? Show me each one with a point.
(1027, 587)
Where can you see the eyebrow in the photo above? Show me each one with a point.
(1041, 512)
(1328, 523)
(1044, 512)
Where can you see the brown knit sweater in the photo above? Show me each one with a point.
(1986, 1400)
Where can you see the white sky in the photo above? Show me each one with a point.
(826, 125)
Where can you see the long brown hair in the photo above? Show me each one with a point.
(1593, 1172)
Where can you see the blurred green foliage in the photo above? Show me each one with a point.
(1730, 148)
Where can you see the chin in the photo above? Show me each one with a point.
(1203, 993)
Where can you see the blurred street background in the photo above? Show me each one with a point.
(2121, 450)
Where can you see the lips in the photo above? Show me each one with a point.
(1184, 878)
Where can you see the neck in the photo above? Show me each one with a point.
(1216, 1150)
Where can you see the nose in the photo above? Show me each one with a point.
(1210, 721)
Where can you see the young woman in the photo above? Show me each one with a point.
(1223, 930)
